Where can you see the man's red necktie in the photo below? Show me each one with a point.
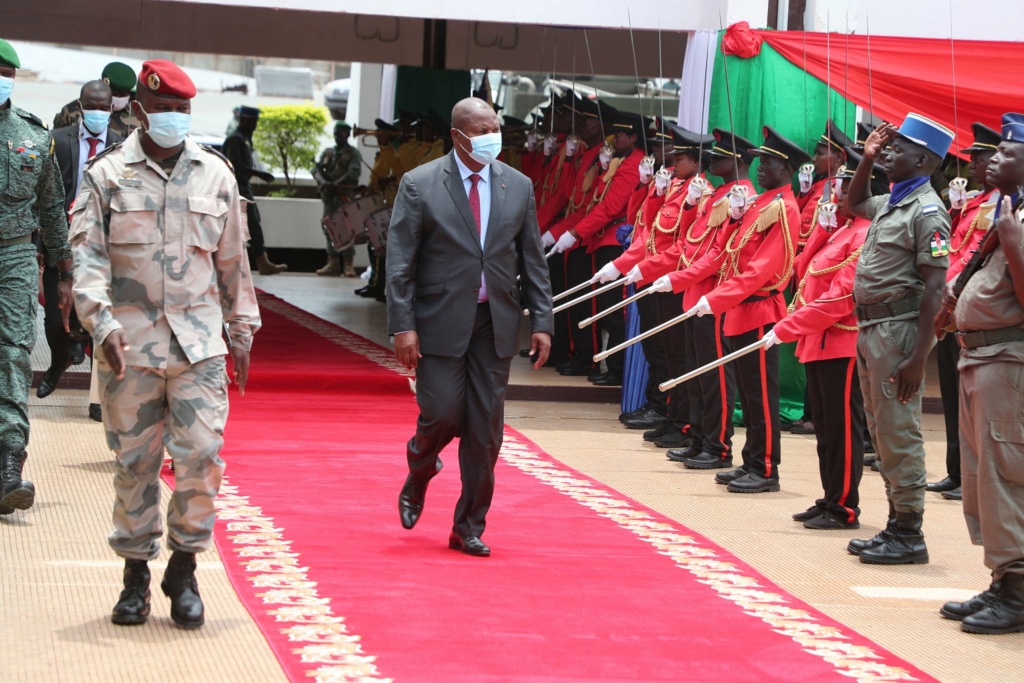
(93, 144)
(474, 200)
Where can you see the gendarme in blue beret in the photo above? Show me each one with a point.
(1013, 127)
(8, 55)
(931, 135)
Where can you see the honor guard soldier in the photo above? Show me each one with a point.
(897, 290)
(970, 217)
(340, 167)
(705, 213)
(989, 318)
(161, 274)
(816, 178)
(121, 79)
(756, 251)
(823, 324)
(33, 198)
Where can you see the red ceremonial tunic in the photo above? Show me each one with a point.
(607, 208)
(969, 226)
(582, 186)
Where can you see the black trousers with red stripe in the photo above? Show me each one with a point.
(579, 267)
(561, 340)
(837, 410)
(615, 323)
(757, 380)
(654, 352)
(947, 354)
(674, 338)
(713, 393)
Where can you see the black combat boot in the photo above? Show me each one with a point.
(1005, 615)
(859, 545)
(15, 492)
(180, 586)
(905, 544)
(132, 607)
(958, 610)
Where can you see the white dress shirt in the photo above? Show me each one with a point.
(483, 188)
(83, 150)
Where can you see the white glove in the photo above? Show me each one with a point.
(806, 178)
(547, 240)
(572, 143)
(607, 273)
(827, 216)
(695, 190)
(770, 339)
(634, 275)
(839, 188)
(958, 192)
(701, 309)
(740, 200)
(550, 143)
(661, 180)
(531, 141)
(662, 284)
(565, 243)
(605, 157)
(646, 169)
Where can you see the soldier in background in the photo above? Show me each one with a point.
(339, 167)
(121, 79)
(32, 198)
(160, 273)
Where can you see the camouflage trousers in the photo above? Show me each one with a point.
(330, 206)
(19, 304)
(183, 408)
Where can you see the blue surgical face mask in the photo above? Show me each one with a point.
(167, 129)
(95, 120)
(6, 86)
(486, 147)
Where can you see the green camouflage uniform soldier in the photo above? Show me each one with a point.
(159, 236)
(31, 197)
(341, 166)
(897, 289)
(121, 80)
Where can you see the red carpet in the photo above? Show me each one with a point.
(584, 584)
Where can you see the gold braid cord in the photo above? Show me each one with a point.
(773, 213)
(982, 221)
(814, 219)
(656, 224)
(551, 182)
(719, 212)
(588, 182)
(613, 166)
(811, 272)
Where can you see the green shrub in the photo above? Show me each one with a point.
(289, 136)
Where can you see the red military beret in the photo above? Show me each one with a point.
(166, 79)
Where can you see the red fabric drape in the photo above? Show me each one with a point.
(914, 74)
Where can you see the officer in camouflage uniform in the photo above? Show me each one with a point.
(159, 233)
(30, 186)
(121, 80)
(340, 166)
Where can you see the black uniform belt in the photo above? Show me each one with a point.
(760, 297)
(973, 340)
(21, 239)
(888, 310)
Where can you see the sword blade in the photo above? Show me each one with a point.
(572, 290)
(759, 344)
(621, 304)
(590, 295)
(640, 337)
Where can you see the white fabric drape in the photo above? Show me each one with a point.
(695, 93)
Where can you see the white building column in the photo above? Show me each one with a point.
(364, 107)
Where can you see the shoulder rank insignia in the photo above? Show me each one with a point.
(106, 150)
(929, 209)
(214, 152)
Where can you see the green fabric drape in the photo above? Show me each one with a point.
(419, 89)
(769, 90)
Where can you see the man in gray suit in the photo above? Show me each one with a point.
(462, 246)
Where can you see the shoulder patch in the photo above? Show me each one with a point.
(31, 118)
(106, 150)
(214, 152)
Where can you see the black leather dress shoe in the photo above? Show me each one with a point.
(632, 414)
(732, 475)
(76, 349)
(596, 373)
(362, 290)
(674, 439)
(955, 494)
(682, 454)
(809, 513)
(946, 484)
(471, 545)
(958, 610)
(95, 412)
(707, 461)
(751, 482)
(649, 419)
(608, 379)
(829, 520)
(577, 370)
(870, 460)
(412, 497)
(48, 382)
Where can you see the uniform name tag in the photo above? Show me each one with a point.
(939, 246)
(129, 182)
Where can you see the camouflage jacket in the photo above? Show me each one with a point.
(341, 165)
(30, 183)
(163, 257)
(121, 122)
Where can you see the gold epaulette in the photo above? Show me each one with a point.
(719, 212)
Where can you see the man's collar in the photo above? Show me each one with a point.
(465, 172)
(84, 133)
(133, 151)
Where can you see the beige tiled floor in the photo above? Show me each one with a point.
(60, 578)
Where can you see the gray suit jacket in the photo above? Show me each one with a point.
(434, 260)
(65, 148)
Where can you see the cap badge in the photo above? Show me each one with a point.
(153, 82)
